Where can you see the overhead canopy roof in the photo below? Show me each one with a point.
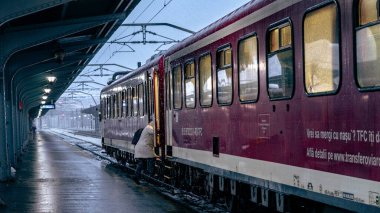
(52, 37)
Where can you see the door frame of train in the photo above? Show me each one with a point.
(168, 107)
(159, 110)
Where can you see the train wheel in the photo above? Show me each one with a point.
(197, 181)
(231, 202)
(231, 196)
(181, 180)
(209, 185)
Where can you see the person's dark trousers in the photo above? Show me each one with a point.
(139, 168)
(150, 166)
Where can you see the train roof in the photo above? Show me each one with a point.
(152, 63)
(223, 22)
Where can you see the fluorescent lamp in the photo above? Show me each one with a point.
(47, 90)
(51, 78)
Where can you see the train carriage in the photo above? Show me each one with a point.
(276, 103)
(131, 103)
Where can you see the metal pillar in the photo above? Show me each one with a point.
(5, 170)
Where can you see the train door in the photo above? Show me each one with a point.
(159, 113)
(168, 107)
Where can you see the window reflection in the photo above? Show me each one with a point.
(224, 76)
(189, 85)
(280, 63)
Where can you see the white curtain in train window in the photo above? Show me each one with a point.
(130, 102)
(368, 49)
(321, 43)
(248, 69)
(205, 80)
(141, 99)
(135, 101)
(177, 87)
(368, 11)
(125, 104)
(368, 46)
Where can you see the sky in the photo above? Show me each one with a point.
(193, 15)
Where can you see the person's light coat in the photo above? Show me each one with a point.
(145, 146)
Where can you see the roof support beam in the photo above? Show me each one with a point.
(14, 39)
(11, 9)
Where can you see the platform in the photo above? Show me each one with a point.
(55, 176)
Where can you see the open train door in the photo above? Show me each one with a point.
(168, 108)
(158, 103)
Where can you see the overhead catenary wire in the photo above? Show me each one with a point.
(165, 5)
(145, 9)
(109, 48)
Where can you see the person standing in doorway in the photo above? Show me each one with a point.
(144, 152)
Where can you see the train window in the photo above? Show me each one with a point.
(248, 69)
(177, 87)
(104, 108)
(129, 102)
(224, 76)
(321, 50)
(119, 103)
(108, 107)
(113, 112)
(111, 106)
(141, 99)
(124, 104)
(150, 96)
(280, 75)
(368, 45)
(135, 101)
(190, 85)
(167, 90)
(118, 106)
(205, 80)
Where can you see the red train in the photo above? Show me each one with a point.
(276, 102)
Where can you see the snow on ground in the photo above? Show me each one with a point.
(95, 141)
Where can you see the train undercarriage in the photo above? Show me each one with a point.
(235, 196)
